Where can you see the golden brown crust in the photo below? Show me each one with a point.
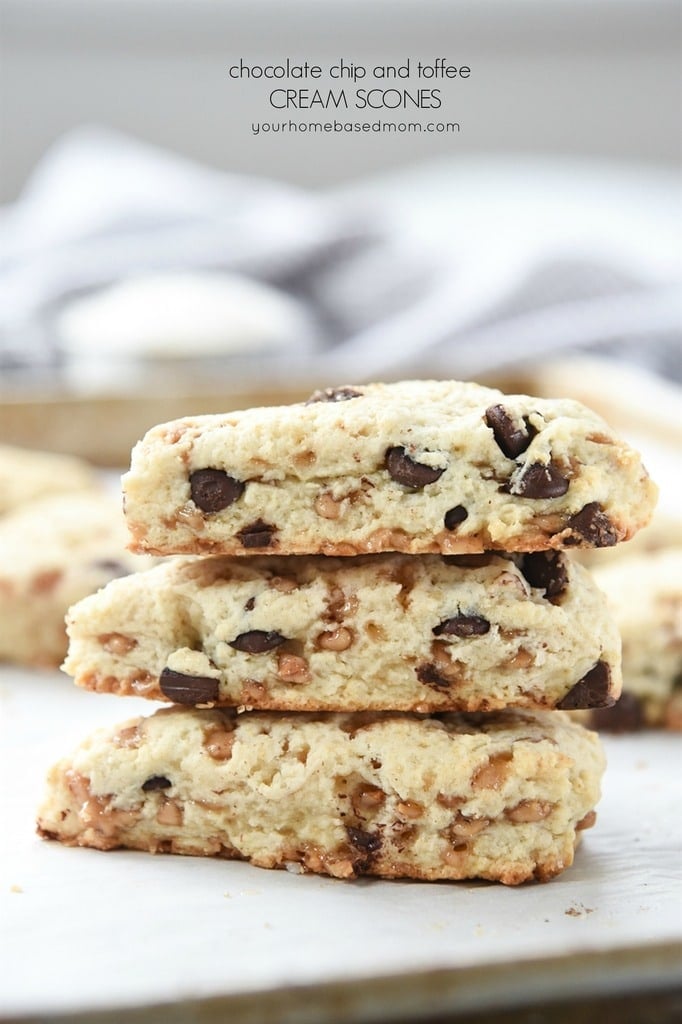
(443, 543)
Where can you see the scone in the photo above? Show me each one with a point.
(376, 632)
(54, 552)
(645, 597)
(502, 797)
(417, 466)
(27, 475)
(664, 531)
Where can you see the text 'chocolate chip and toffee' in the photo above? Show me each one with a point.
(448, 506)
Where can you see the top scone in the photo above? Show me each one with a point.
(417, 466)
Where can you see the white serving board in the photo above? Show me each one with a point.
(83, 931)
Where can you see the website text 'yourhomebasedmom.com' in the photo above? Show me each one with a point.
(352, 127)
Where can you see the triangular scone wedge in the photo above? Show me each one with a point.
(28, 475)
(379, 632)
(417, 466)
(53, 552)
(501, 796)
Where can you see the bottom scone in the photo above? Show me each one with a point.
(498, 796)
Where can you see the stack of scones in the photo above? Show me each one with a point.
(366, 627)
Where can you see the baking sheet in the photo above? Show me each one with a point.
(88, 931)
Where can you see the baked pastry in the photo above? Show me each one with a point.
(417, 466)
(645, 598)
(53, 552)
(663, 532)
(376, 632)
(27, 475)
(502, 797)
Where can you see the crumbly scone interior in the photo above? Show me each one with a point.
(503, 797)
(420, 466)
(382, 632)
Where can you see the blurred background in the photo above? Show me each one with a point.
(159, 258)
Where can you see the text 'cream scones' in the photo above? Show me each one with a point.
(54, 552)
(644, 593)
(391, 631)
(418, 466)
(501, 797)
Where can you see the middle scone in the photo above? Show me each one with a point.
(379, 632)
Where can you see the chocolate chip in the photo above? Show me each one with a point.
(592, 691)
(365, 848)
(462, 625)
(364, 841)
(455, 516)
(257, 641)
(406, 471)
(547, 571)
(594, 526)
(182, 689)
(430, 676)
(111, 566)
(250, 604)
(626, 715)
(540, 481)
(213, 489)
(156, 782)
(258, 534)
(511, 440)
(333, 395)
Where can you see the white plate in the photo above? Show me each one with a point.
(84, 931)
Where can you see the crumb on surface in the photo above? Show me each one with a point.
(578, 910)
